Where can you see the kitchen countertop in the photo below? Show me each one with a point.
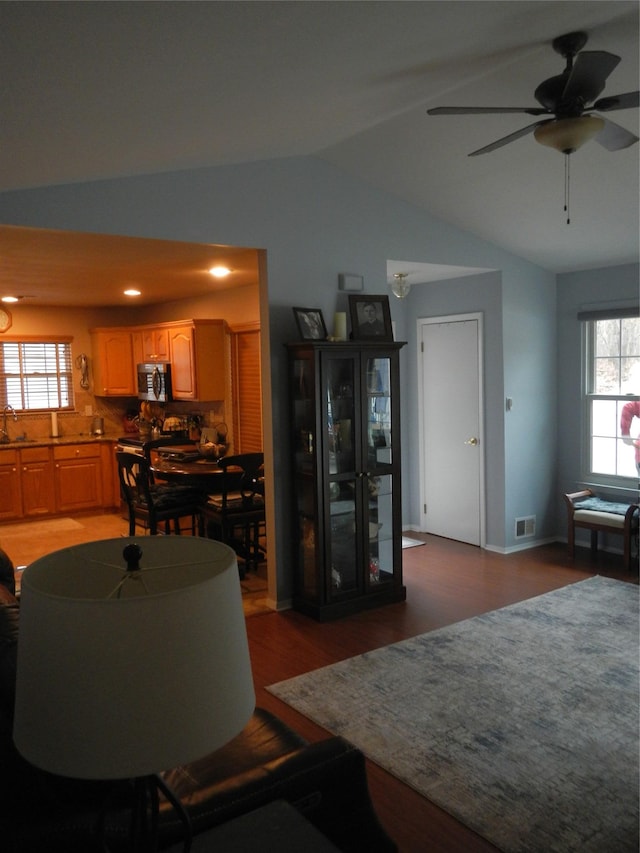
(79, 438)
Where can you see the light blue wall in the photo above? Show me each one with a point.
(519, 362)
(579, 291)
(472, 294)
(530, 379)
(315, 222)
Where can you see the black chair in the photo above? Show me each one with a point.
(236, 516)
(151, 503)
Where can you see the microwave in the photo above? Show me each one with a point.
(154, 381)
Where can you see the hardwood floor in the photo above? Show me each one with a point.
(446, 582)
(27, 541)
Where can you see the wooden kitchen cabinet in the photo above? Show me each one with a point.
(151, 344)
(199, 360)
(37, 481)
(78, 477)
(114, 373)
(197, 349)
(10, 488)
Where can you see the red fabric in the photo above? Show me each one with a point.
(629, 412)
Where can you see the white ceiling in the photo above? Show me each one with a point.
(99, 90)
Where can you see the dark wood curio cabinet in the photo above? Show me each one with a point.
(346, 476)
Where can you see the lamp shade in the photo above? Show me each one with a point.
(127, 673)
(568, 134)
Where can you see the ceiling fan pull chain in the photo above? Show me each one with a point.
(567, 188)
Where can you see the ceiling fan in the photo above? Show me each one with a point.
(565, 97)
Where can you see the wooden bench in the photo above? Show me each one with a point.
(587, 511)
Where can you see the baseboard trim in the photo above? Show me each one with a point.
(522, 546)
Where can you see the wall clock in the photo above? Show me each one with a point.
(5, 320)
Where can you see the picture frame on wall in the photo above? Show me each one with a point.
(310, 324)
(370, 318)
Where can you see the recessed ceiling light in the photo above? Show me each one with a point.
(11, 298)
(132, 292)
(220, 272)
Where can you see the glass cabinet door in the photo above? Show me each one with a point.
(379, 481)
(342, 438)
(304, 472)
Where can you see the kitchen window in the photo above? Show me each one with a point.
(612, 379)
(36, 375)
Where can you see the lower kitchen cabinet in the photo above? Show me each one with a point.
(45, 480)
(78, 477)
(10, 488)
(37, 482)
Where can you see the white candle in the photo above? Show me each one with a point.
(54, 424)
(340, 326)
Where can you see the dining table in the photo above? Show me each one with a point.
(201, 473)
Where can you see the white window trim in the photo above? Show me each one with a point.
(591, 479)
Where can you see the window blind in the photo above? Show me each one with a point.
(36, 375)
(247, 397)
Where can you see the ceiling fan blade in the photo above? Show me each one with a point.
(506, 139)
(613, 137)
(618, 102)
(452, 111)
(588, 76)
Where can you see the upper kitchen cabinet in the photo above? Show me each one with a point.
(199, 359)
(199, 352)
(113, 363)
(151, 344)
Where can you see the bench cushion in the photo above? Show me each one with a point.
(599, 505)
(607, 518)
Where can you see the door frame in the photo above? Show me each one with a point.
(452, 318)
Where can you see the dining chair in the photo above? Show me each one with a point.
(150, 503)
(236, 515)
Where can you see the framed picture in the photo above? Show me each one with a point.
(310, 324)
(370, 318)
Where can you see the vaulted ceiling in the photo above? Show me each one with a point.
(99, 90)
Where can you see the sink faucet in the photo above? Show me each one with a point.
(4, 435)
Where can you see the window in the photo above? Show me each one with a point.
(612, 380)
(36, 375)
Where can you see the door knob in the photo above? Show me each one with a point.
(472, 441)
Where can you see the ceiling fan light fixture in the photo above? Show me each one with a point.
(400, 286)
(568, 134)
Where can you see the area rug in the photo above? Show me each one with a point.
(408, 542)
(522, 723)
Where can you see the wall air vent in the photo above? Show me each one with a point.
(525, 526)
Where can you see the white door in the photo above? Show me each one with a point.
(452, 469)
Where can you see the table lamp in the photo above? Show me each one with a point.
(132, 659)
